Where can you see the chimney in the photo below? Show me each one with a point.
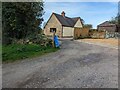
(63, 13)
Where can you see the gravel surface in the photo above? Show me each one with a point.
(111, 42)
(75, 65)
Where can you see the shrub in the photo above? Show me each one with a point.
(39, 39)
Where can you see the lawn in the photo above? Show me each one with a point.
(15, 52)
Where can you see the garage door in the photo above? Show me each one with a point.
(68, 32)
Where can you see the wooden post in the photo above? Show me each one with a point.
(53, 39)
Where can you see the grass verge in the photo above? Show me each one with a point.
(15, 52)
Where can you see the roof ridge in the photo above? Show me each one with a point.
(75, 17)
(66, 16)
(66, 21)
(106, 23)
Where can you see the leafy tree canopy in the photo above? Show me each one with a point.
(21, 19)
(87, 26)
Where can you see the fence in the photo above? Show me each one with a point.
(81, 32)
(86, 33)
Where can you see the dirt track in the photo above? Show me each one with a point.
(75, 65)
(107, 42)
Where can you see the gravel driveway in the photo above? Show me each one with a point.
(75, 65)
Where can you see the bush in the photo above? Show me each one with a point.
(39, 39)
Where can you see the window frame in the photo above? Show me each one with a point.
(53, 30)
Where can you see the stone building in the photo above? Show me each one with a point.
(62, 25)
(110, 29)
(107, 26)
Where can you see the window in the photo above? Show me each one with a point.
(52, 29)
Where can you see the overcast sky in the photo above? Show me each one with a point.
(92, 12)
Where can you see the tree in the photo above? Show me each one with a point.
(82, 21)
(115, 20)
(44, 24)
(87, 26)
(21, 19)
(118, 18)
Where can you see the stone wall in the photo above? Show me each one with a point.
(97, 34)
(112, 35)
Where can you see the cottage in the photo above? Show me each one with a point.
(62, 25)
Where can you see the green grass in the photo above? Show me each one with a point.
(15, 52)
